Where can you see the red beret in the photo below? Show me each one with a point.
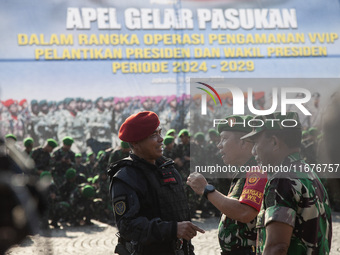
(8, 102)
(138, 126)
(22, 102)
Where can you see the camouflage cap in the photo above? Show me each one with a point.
(168, 139)
(184, 132)
(235, 123)
(274, 121)
(28, 142)
(51, 142)
(70, 173)
(170, 131)
(67, 140)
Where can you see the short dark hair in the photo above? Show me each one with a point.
(290, 136)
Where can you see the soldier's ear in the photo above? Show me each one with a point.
(276, 143)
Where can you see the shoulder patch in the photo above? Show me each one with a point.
(119, 205)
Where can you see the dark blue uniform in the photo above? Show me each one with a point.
(148, 201)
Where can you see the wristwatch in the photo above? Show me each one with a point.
(208, 189)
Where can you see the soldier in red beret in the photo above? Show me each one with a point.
(149, 202)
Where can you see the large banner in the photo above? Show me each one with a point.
(79, 68)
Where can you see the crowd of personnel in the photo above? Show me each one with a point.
(79, 184)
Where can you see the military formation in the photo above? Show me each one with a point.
(93, 124)
(77, 187)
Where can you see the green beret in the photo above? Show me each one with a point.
(98, 99)
(108, 99)
(235, 123)
(199, 136)
(34, 102)
(42, 102)
(11, 136)
(68, 100)
(184, 132)
(51, 142)
(95, 179)
(51, 103)
(171, 131)
(67, 140)
(168, 139)
(213, 131)
(89, 180)
(89, 154)
(100, 153)
(78, 155)
(264, 122)
(124, 145)
(28, 142)
(313, 131)
(64, 204)
(304, 133)
(70, 173)
(88, 191)
(45, 174)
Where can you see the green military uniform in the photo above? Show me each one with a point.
(81, 200)
(42, 157)
(301, 201)
(296, 197)
(232, 234)
(60, 165)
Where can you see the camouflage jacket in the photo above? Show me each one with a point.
(42, 159)
(233, 234)
(300, 200)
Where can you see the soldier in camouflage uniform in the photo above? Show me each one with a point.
(295, 216)
(182, 161)
(34, 119)
(79, 166)
(28, 143)
(121, 152)
(81, 201)
(73, 123)
(42, 157)
(42, 126)
(69, 184)
(56, 208)
(237, 233)
(168, 151)
(99, 127)
(90, 163)
(63, 159)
